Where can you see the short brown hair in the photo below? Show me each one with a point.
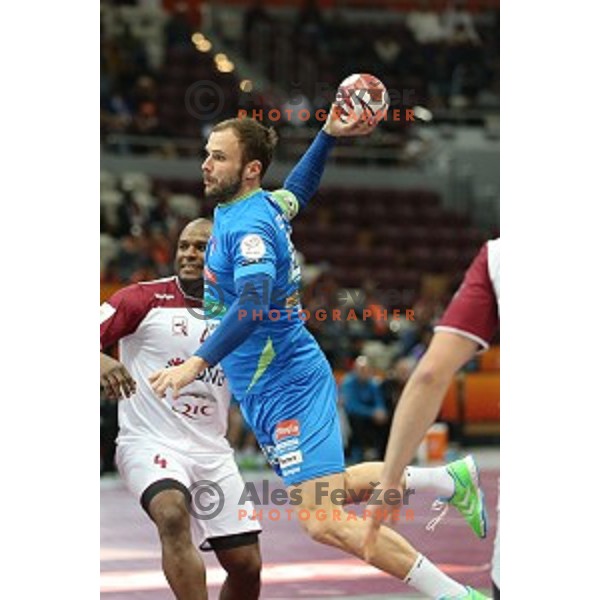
(258, 142)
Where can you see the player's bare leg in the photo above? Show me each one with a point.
(330, 526)
(181, 561)
(363, 477)
(457, 483)
(327, 523)
(243, 565)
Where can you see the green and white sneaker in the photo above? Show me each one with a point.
(475, 595)
(468, 497)
(472, 595)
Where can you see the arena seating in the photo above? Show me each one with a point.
(387, 236)
(472, 403)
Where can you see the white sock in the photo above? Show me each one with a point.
(435, 478)
(429, 580)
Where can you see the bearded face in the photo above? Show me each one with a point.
(222, 169)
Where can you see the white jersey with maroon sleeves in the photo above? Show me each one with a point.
(157, 326)
(474, 312)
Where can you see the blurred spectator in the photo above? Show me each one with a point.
(419, 348)
(178, 28)
(392, 387)
(458, 23)
(257, 26)
(426, 24)
(295, 110)
(378, 321)
(131, 58)
(309, 22)
(145, 121)
(388, 50)
(130, 216)
(115, 114)
(364, 404)
(396, 378)
(161, 253)
(255, 15)
(133, 262)
(161, 215)
(322, 294)
(336, 33)
(490, 97)
(143, 92)
(444, 60)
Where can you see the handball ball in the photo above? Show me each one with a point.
(362, 94)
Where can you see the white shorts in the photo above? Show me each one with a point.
(211, 483)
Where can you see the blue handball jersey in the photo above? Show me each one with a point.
(252, 235)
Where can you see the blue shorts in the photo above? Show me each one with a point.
(297, 426)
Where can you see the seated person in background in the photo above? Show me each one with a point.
(365, 406)
(392, 387)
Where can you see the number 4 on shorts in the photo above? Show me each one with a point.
(160, 461)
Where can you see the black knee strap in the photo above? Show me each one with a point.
(160, 486)
(227, 542)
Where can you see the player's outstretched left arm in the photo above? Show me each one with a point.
(304, 179)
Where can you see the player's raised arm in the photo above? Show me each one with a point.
(304, 179)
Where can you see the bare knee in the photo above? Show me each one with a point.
(249, 571)
(318, 531)
(252, 565)
(243, 563)
(360, 479)
(169, 512)
(324, 528)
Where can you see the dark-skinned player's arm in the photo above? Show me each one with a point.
(120, 315)
(115, 379)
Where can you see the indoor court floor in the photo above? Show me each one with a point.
(294, 565)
